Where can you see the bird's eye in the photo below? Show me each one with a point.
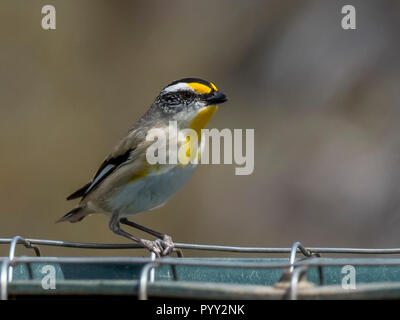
(187, 95)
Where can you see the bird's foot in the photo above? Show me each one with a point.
(161, 247)
(167, 245)
(153, 246)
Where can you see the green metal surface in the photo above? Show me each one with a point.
(86, 271)
(203, 282)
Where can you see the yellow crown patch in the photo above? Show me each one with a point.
(199, 87)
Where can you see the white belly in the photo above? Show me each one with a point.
(149, 192)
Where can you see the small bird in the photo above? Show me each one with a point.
(127, 184)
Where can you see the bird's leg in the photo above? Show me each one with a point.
(166, 242)
(153, 246)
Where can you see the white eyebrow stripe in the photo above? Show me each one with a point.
(178, 87)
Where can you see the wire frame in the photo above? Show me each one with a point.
(295, 267)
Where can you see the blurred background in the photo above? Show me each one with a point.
(324, 103)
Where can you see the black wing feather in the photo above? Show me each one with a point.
(110, 164)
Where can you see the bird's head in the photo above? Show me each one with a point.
(189, 99)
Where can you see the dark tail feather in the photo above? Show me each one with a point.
(74, 215)
(80, 192)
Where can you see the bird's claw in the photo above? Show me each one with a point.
(153, 246)
(167, 244)
(160, 247)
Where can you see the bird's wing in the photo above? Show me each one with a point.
(126, 151)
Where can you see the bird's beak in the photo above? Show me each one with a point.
(216, 97)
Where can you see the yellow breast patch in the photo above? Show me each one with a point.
(199, 122)
(188, 152)
(202, 118)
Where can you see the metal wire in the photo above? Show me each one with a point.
(143, 280)
(294, 281)
(11, 254)
(312, 262)
(149, 264)
(297, 267)
(152, 272)
(4, 280)
(192, 246)
(149, 270)
(297, 246)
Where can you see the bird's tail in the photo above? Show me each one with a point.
(75, 215)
